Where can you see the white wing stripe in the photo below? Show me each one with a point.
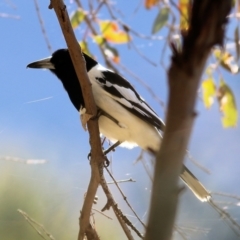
(123, 94)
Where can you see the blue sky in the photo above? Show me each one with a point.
(50, 129)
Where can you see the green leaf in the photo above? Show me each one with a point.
(77, 18)
(227, 105)
(209, 91)
(160, 20)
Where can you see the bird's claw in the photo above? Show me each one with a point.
(106, 161)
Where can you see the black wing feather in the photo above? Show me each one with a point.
(112, 82)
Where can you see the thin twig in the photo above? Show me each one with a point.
(141, 158)
(142, 55)
(125, 198)
(94, 209)
(227, 218)
(226, 195)
(190, 157)
(42, 26)
(111, 203)
(122, 181)
(227, 203)
(36, 226)
(11, 4)
(194, 229)
(182, 234)
(125, 26)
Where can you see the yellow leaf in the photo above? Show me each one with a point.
(151, 3)
(209, 92)
(84, 47)
(227, 105)
(111, 32)
(209, 71)
(100, 40)
(226, 60)
(184, 8)
(77, 17)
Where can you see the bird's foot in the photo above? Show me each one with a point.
(106, 161)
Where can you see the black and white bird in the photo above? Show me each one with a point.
(125, 116)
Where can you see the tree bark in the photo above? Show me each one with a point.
(206, 29)
(97, 157)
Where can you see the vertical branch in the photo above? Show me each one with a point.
(206, 29)
(97, 157)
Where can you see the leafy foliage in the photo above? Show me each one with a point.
(209, 91)
(160, 20)
(184, 6)
(77, 18)
(107, 34)
(111, 32)
(227, 105)
(151, 3)
(226, 60)
(84, 47)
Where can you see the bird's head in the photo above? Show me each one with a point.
(61, 65)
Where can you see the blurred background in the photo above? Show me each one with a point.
(44, 170)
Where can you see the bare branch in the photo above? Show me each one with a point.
(123, 220)
(39, 228)
(122, 181)
(125, 198)
(227, 195)
(227, 218)
(191, 158)
(91, 233)
(97, 157)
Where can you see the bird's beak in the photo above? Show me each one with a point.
(43, 63)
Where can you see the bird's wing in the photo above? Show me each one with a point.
(123, 92)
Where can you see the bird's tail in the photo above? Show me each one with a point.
(193, 183)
